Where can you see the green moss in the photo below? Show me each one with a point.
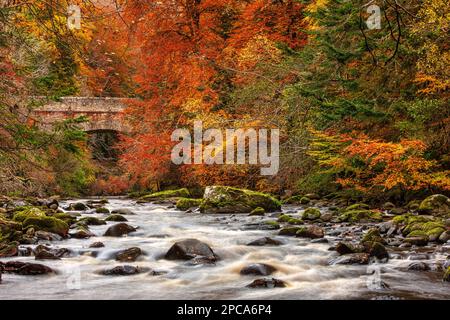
(179, 193)
(186, 203)
(92, 221)
(102, 210)
(49, 224)
(27, 213)
(311, 214)
(360, 216)
(289, 231)
(417, 233)
(116, 218)
(357, 206)
(438, 205)
(67, 218)
(295, 221)
(447, 275)
(284, 218)
(429, 227)
(372, 235)
(305, 200)
(293, 199)
(222, 199)
(258, 212)
(273, 223)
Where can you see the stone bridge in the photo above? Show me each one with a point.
(104, 114)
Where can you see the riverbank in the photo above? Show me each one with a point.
(135, 249)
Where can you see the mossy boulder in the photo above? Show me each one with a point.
(102, 210)
(311, 232)
(9, 249)
(116, 218)
(48, 224)
(292, 200)
(67, 218)
(288, 231)
(21, 216)
(431, 229)
(257, 212)
(272, 225)
(311, 214)
(92, 221)
(167, 194)
(437, 205)
(357, 206)
(305, 200)
(372, 235)
(345, 247)
(284, 218)
(417, 241)
(79, 206)
(218, 199)
(187, 203)
(360, 216)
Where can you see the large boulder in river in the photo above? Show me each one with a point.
(189, 249)
(119, 230)
(48, 224)
(218, 199)
(436, 205)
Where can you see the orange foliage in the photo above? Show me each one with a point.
(390, 165)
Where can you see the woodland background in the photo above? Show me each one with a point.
(362, 113)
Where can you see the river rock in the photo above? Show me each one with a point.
(92, 221)
(345, 247)
(26, 269)
(376, 249)
(81, 233)
(267, 283)
(123, 211)
(312, 232)
(444, 237)
(354, 258)
(419, 266)
(122, 271)
(116, 218)
(189, 249)
(437, 205)
(289, 231)
(9, 249)
(48, 236)
(119, 230)
(259, 269)
(311, 214)
(266, 241)
(42, 252)
(102, 210)
(218, 199)
(416, 241)
(130, 254)
(257, 212)
(79, 206)
(97, 245)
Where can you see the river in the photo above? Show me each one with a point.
(303, 265)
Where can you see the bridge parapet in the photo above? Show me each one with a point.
(103, 113)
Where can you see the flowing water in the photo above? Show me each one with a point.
(300, 263)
